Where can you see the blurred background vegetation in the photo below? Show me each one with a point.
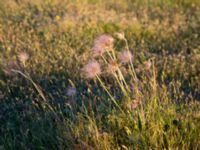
(58, 35)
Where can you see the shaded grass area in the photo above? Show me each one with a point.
(58, 36)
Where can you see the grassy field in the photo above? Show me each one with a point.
(99, 74)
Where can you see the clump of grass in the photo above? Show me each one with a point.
(103, 48)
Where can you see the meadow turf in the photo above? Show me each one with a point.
(46, 102)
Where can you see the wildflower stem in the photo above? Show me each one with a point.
(133, 70)
(122, 78)
(118, 78)
(113, 53)
(112, 98)
(154, 78)
(110, 55)
(104, 59)
(120, 84)
(131, 62)
(132, 74)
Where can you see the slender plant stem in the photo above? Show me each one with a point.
(120, 84)
(117, 78)
(112, 57)
(36, 87)
(104, 59)
(110, 95)
(122, 78)
(113, 53)
(131, 62)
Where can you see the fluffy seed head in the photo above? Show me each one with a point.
(23, 57)
(71, 91)
(148, 64)
(113, 66)
(101, 44)
(91, 69)
(135, 104)
(125, 56)
(120, 35)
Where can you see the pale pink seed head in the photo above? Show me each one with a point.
(148, 64)
(97, 50)
(71, 91)
(23, 57)
(92, 69)
(101, 44)
(135, 104)
(125, 56)
(104, 40)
